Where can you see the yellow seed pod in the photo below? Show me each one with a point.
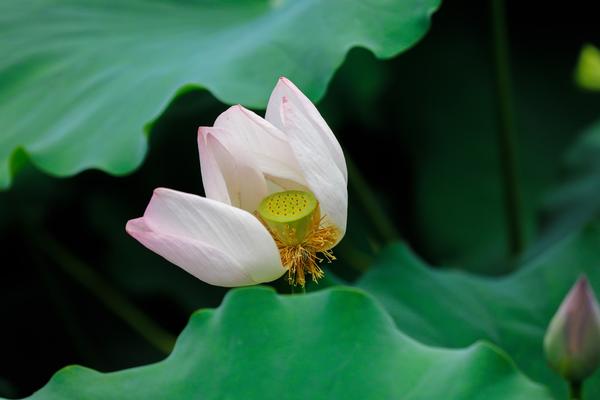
(290, 215)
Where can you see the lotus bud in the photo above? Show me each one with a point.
(572, 341)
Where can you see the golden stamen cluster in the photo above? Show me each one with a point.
(304, 258)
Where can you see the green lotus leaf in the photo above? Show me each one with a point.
(79, 79)
(455, 309)
(333, 344)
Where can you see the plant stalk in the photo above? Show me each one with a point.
(294, 291)
(507, 136)
(63, 308)
(382, 223)
(575, 390)
(109, 296)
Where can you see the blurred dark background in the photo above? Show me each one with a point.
(420, 128)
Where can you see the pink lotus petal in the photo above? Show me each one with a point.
(317, 128)
(316, 149)
(219, 244)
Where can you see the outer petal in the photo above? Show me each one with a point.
(317, 128)
(217, 243)
(315, 147)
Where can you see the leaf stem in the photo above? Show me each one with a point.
(108, 295)
(365, 194)
(355, 258)
(506, 133)
(294, 291)
(62, 307)
(575, 390)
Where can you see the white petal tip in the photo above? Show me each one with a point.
(202, 131)
(161, 191)
(137, 228)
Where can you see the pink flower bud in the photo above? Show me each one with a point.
(572, 342)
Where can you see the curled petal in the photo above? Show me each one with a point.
(316, 149)
(215, 164)
(215, 242)
(251, 136)
(229, 174)
(246, 157)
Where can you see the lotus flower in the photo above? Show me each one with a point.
(276, 198)
(572, 342)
